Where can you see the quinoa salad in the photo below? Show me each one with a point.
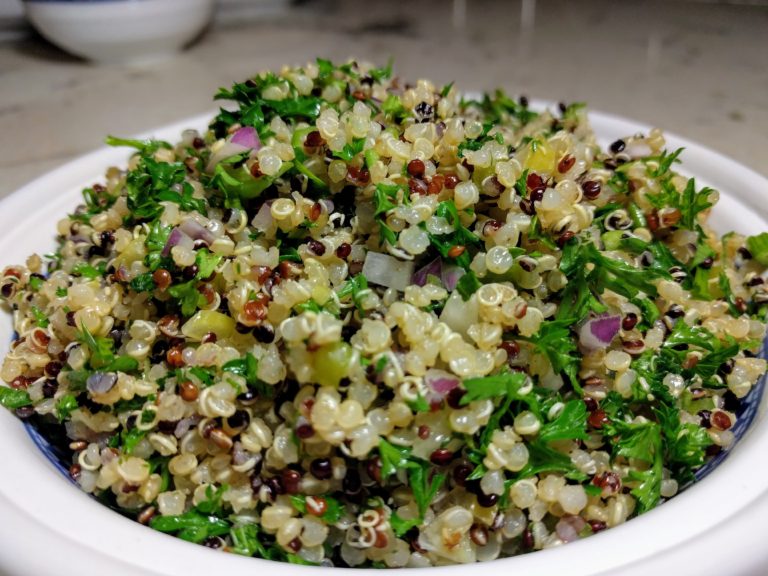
(368, 323)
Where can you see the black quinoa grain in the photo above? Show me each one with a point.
(321, 468)
(239, 419)
(487, 500)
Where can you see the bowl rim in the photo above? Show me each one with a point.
(674, 533)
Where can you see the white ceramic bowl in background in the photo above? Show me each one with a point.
(120, 31)
(48, 527)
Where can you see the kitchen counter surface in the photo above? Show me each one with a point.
(696, 69)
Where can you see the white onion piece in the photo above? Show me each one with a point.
(387, 271)
(598, 332)
(460, 315)
(227, 150)
(263, 220)
(637, 149)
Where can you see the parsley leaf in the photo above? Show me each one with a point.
(192, 526)
(381, 74)
(206, 262)
(130, 438)
(190, 299)
(40, 318)
(555, 341)
(248, 368)
(467, 285)
(393, 108)
(13, 399)
(245, 541)
(350, 150)
(143, 283)
(152, 182)
(641, 441)
(65, 406)
(664, 160)
(500, 385)
(85, 270)
(758, 247)
(101, 348)
(570, 424)
(461, 236)
(356, 287)
(143, 146)
(392, 457)
(385, 199)
(685, 444)
(333, 510)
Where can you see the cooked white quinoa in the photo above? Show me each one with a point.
(360, 322)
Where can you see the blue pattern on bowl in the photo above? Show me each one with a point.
(745, 415)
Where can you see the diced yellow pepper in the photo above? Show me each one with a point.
(206, 321)
(133, 252)
(541, 157)
(332, 363)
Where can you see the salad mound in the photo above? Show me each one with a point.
(362, 322)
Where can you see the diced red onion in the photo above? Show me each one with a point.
(101, 382)
(248, 137)
(433, 268)
(598, 332)
(175, 238)
(227, 150)
(388, 271)
(107, 455)
(328, 205)
(569, 527)
(439, 383)
(239, 454)
(197, 231)
(183, 426)
(450, 276)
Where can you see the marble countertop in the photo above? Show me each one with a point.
(695, 69)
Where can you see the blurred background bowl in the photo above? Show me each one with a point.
(120, 31)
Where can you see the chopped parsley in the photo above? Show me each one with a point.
(556, 342)
(13, 399)
(333, 510)
(758, 247)
(65, 406)
(467, 285)
(461, 236)
(40, 317)
(424, 488)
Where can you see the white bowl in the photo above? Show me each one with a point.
(49, 527)
(120, 31)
